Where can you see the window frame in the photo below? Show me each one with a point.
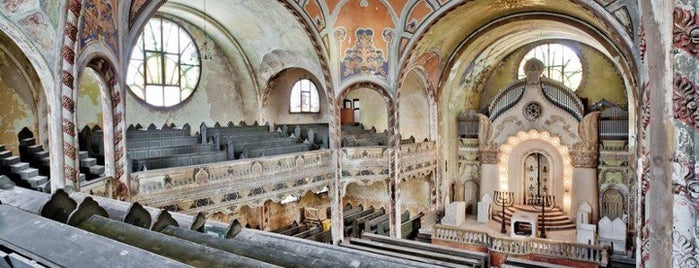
(548, 67)
(163, 54)
(310, 95)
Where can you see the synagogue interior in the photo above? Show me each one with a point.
(349, 133)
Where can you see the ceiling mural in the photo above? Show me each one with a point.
(99, 24)
(363, 49)
(34, 20)
(395, 28)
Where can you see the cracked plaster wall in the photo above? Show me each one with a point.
(88, 103)
(375, 195)
(414, 110)
(415, 195)
(17, 105)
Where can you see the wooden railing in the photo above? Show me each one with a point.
(368, 163)
(506, 245)
(214, 186)
(418, 159)
(371, 163)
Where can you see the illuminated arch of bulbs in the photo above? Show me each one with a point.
(523, 136)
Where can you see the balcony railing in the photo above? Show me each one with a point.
(506, 245)
(371, 163)
(214, 186)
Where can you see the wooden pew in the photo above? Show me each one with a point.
(286, 228)
(178, 160)
(349, 220)
(428, 253)
(161, 142)
(148, 152)
(294, 148)
(208, 133)
(54, 244)
(409, 228)
(323, 237)
(522, 263)
(312, 230)
(359, 225)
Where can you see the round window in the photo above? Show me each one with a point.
(164, 68)
(560, 63)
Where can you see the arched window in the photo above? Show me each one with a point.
(304, 97)
(561, 64)
(164, 68)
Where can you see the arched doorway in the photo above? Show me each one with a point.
(537, 179)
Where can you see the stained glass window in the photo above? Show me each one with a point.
(164, 67)
(561, 64)
(304, 97)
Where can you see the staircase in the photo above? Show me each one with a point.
(89, 166)
(21, 173)
(556, 218)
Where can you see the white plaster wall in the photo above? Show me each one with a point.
(414, 110)
(415, 195)
(276, 106)
(372, 110)
(584, 189)
(489, 180)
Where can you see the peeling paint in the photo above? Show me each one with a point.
(17, 109)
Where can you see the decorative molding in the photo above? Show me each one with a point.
(248, 182)
(686, 31)
(685, 100)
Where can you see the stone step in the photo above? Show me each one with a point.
(2, 147)
(27, 141)
(552, 215)
(88, 162)
(5, 153)
(10, 160)
(16, 168)
(97, 170)
(82, 154)
(37, 181)
(41, 154)
(28, 173)
(81, 177)
(32, 149)
(527, 208)
(45, 187)
(46, 161)
(551, 222)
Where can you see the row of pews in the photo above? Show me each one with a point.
(367, 230)
(435, 255)
(170, 146)
(356, 222)
(352, 135)
(77, 230)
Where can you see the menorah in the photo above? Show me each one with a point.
(543, 201)
(504, 199)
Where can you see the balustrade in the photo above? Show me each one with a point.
(506, 245)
